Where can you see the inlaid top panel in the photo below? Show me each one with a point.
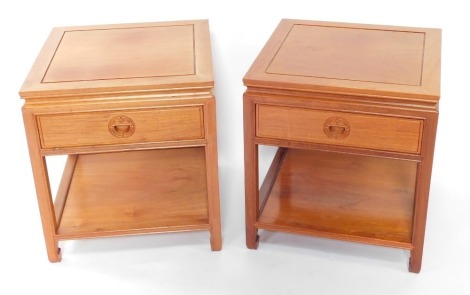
(391, 57)
(105, 54)
(114, 58)
(350, 58)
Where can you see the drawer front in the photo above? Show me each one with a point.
(121, 127)
(339, 128)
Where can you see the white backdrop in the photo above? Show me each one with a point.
(183, 263)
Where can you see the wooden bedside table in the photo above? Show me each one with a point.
(353, 109)
(132, 106)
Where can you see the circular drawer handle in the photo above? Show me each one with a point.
(336, 127)
(121, 126)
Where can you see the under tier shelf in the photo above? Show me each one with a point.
(133, 192)
(342, 196)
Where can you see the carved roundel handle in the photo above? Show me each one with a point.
(121, 126)
(336, 127)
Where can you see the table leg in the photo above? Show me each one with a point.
(213, 177)
(420, 213)
(422, 194)
(421, 204)
(251, 174)
(43, 192)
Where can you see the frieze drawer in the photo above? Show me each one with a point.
(121, 127)
(339, 128)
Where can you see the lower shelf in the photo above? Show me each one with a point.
(133, 192)
(348, 197)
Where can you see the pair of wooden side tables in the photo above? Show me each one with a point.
(352, 109)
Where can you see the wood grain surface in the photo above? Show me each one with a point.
(127, 191)
(345, 196)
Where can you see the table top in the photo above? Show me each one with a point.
(350, 59)
(124, 57)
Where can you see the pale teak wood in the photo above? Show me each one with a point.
(353, 109)
(132, 107)
(134, 191)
